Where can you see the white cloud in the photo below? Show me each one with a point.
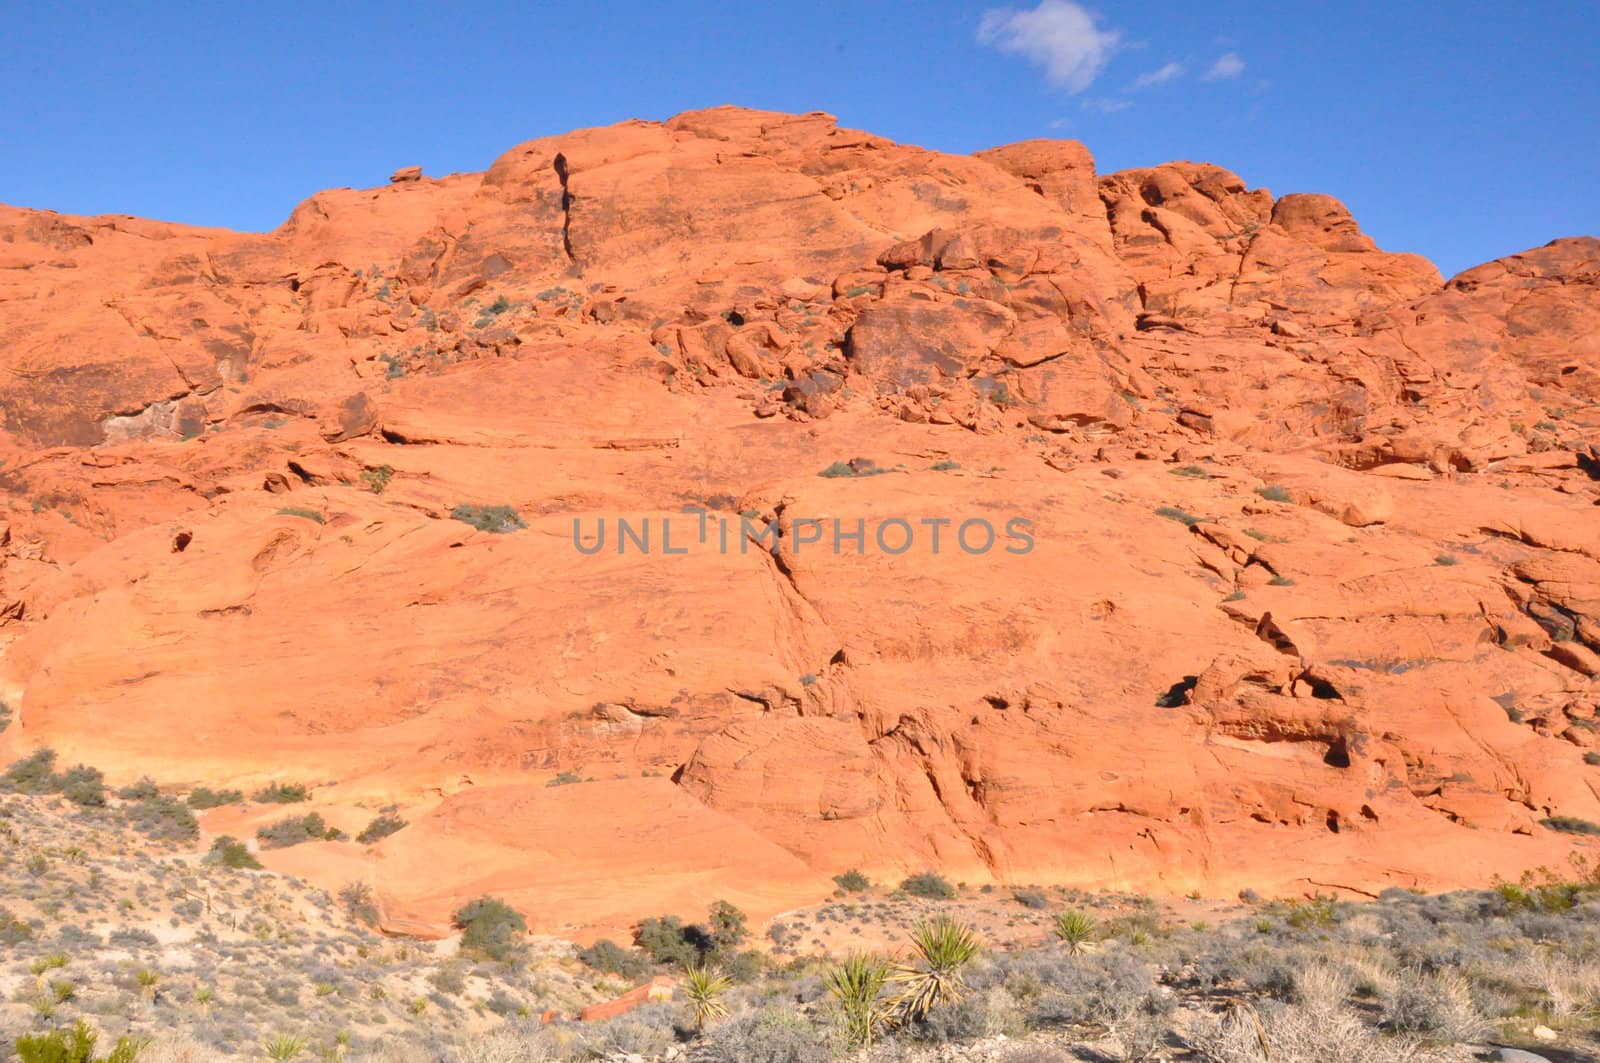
(1228, 65)
(1105, 105)
(1058, 35)
(1170, 72)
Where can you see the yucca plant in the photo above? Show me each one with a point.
(704, 988)
(1076, 929)
(855, 984)
(283, 1046)
(940, 947)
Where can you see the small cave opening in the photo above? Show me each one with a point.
(1333, 821)
(181, 541)
(1338, 754)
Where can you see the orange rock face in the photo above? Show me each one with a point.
(1173, 536)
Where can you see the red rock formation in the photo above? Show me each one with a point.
(1313, 599)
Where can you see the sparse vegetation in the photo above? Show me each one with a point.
(281, 794)
(296, 830)
(381, 827)
(497, 520)
(231, 853)
(852, 881)
(928, 885)
(1275, 493)
(491, 928)
(302, 512)
(1183, 517)
(203, 797)
(377, 478)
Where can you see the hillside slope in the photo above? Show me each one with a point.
(1312, 600)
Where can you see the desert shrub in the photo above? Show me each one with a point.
(1181, 516)
(204, 797)
(378, 478)
(1030, 898)
(380, 828)
(729, 927)
(141, 790)
(491, 928)
(852, 881)
(1437, 1005)
(33, 774)
(771, 1035)
(5, 716)
(1275, 493)
(13, 931)
(281, 794)
(979, 1014)
(359, 902)
(497, 520)
(606, 955)
(1294, 1033)
(301, 512)
(231, 853)
(83, 786)
(667, 940)
(508, 1044)
(75, 1044)
(1063, 990)
(646, 1031)
(296, 830)
(929, 885)
(162, 817)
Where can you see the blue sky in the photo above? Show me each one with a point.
(1463, 131)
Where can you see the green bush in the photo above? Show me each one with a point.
(606, 955)
(142, 790)
(492, 928)
(728, 927)
(1274, 493)
(1031, 898)
(83, 786)
(380, 828)
(281, 794)
(33, 774)
(162, 816)
(928, 885)
(852, 881)
(295, 830)
(204, 797)
(378, 478)
(231, 853)
(297, 511)
(497, 520)
(74, 1045)
(668, 941)
(1188, 520)
(359, 901)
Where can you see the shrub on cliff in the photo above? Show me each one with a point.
(281, 794)
(497, 520)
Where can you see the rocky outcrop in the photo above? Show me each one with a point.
(1305, 593)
